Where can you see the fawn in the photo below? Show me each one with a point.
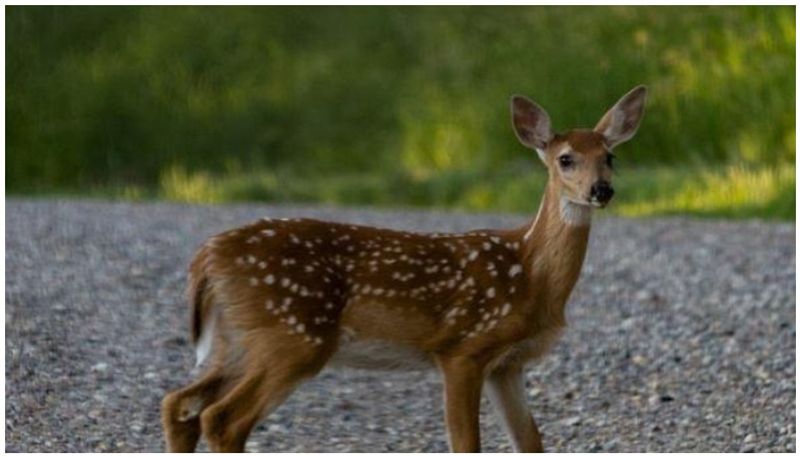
(274, 302)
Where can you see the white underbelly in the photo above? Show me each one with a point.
(376, 354)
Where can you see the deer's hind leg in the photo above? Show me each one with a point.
(275, 366)
(180, 411)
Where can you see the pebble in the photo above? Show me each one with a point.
(648, 294)
(277, 428)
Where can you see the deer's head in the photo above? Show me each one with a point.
(580, 161)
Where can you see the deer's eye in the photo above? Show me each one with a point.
(566, 161)
(610, 160)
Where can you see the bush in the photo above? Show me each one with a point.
(120, 97)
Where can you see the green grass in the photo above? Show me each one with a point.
(381, 104)
(397, 106)
(736, 192)
(731, 192)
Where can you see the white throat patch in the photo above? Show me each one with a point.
(575, 214)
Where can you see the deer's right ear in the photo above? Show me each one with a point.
(620, 123)
(531, 124)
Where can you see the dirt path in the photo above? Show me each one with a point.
(681, 338)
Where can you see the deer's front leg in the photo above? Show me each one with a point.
(463, 379)
(506, 390)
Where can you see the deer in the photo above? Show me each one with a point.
(274, 302)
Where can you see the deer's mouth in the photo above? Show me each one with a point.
(593, 202)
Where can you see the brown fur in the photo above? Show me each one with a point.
(287, 294)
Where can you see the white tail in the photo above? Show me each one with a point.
(280, 299)
(203, 347)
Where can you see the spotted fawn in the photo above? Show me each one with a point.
(274, 302)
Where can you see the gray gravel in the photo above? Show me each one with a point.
(681, 338)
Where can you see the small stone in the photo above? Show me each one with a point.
(644, 295)
(639, 360)
(610, 445)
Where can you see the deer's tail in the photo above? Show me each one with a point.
(202, 317)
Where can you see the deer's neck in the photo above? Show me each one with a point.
(553, 247)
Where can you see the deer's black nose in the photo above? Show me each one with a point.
(602, 191)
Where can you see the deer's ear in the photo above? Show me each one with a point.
(620, 123)
(531, 123)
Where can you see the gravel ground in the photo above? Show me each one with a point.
(681, 338)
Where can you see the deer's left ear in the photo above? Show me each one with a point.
(619, 124)
(531, 124)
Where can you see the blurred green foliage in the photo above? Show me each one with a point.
(392, 105)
